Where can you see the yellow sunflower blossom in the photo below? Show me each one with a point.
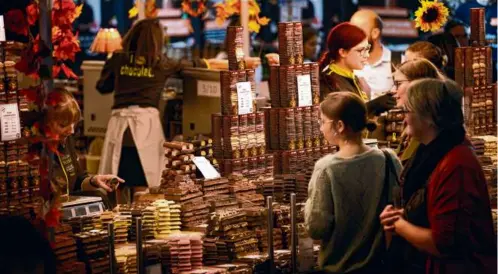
(229, 8)
(431, 15)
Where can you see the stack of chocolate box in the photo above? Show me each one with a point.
(122, 223)
(152, 251)
(185, 192)
(262, 235)
(147, 214)
(179, 157)
(215, 189)
(85, 223)
(126, 257)
(93, 250)
(485, 148)
(235, 239)
(474, 73)
(210, 252)
(196, 248)
(245, 191)
(162, 216)
(170, 255)
(239, 143)
(65, 249)
(224, 204)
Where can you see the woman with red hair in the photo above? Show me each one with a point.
(348, 50)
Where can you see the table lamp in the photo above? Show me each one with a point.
(107, 41)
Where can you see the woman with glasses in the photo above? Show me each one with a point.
(407, 72)
(348, 50)
(446, 224)
(348, 190)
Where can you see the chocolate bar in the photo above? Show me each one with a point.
(274, 85)
(286, 43)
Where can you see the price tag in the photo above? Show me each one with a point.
(2, 29)
(245, 100)
(205, 167)
(306, 260)
(10, 122)
(304, 90)
(208, 88)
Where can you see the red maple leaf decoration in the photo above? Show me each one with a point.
(15, 21)
(33, 13)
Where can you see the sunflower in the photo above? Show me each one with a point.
(431, 16)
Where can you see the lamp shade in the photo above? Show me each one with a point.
(106, 41)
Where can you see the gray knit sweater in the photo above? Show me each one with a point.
(343, 207)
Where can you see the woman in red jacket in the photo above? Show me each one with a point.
(447, 216)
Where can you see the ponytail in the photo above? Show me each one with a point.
(325, 60)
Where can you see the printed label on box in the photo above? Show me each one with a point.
(245, 99)
(11, 123)
(205, 167)
(304, 90)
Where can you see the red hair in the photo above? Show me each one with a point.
(343, 36)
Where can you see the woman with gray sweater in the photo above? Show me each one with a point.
(348, 190)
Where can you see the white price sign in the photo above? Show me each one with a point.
(244, 95)
(304, 90)
(10, 122)
(205, 167)
(208, 88)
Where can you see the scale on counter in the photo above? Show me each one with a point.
(78, 206)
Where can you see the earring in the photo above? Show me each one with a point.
(335, 133)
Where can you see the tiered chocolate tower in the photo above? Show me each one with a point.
(474, 73)
(19, 183)
(293, 132)
(238, 133)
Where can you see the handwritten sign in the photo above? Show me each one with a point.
(2, 29)
(304, 90)
(208, 88)
(10, 122)
(244, 94)
(205, 167)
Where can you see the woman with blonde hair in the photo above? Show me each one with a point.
(445, 227)
(405, 74)
(68, 178)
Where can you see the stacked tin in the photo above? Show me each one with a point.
(239, 142)
(293, 131)
(474, 73)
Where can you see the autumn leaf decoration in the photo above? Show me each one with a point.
(431, 15)
(65, 42)
(150, 9)
(194, 8)
(229, 8)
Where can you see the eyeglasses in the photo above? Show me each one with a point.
(398, 83)
(321, 122)
(365, 50)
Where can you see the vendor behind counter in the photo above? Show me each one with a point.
(59, 120)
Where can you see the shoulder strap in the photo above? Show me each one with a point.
(393, 196)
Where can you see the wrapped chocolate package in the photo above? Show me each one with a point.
(274, 85)
(251, 135)
(298, 43)
(317, 134)
(243, 136)
(235, 48)
(288, 88)
(274, 129)
(299, 128)
(231, 139)
(307, 127)
(260, 134)
(217, 131)
(267, 128)
(287, 129)
(229, 99)
(251, 78)
(477, 27)
(286, 43)
(315, 82)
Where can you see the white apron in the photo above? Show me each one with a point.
(146, 129)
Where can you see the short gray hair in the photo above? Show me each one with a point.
(438, 100)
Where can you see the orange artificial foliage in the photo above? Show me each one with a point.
(188, 7)
(229, 8)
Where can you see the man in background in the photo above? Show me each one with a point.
(378, 72)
